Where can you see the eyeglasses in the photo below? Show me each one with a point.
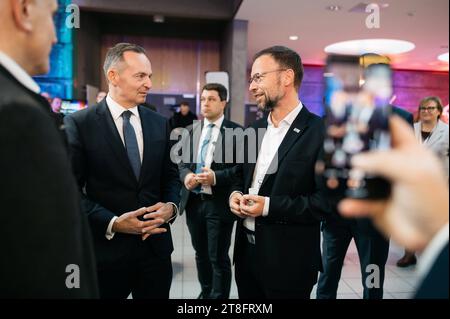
(429, 108)
(259, 76)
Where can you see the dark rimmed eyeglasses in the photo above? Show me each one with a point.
(427, 108)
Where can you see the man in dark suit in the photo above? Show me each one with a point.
(120, 154)
(416, 215)
(372, 247)
(277, 250)
(205, 194)
(45, 240)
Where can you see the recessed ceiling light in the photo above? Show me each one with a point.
(293, 37)
(158, 18)
(379, 46)
(385, 5)
(334, 8)
(443, 57)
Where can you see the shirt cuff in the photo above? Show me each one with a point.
(175, 210)
(109, 233)
(214, 178)
(266, 206)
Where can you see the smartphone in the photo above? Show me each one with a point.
(357, 110)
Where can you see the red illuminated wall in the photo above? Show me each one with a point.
(409, 87)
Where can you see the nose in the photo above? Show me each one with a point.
(148, 83)
(252, 87)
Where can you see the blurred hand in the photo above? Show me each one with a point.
(206, 178)
(419, 204)
(235, 204)
(252, 205)
(190, 181)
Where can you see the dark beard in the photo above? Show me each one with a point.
(269, 105)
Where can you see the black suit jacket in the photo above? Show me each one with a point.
(108, 185)
(219, 165)
(42, 229)
(435, 283)
(408, 117)
(288, 239)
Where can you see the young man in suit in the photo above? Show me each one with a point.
(416, 215)
(205, 194)
(128, 183)
(45, 240)
(277, 250)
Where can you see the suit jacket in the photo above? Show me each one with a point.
(107, 183)
(435, 283)
(221, 168)
(288, 239)
(42, 229)
(408, 117)
(438, 141)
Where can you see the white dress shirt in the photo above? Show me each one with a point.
(135, 120)
(19, 73)
(269, 149)
(116, 112)
(211, 147)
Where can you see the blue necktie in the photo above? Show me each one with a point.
(131, 144)
(202, 155)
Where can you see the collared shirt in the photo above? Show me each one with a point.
(116, 112)
(19, 73)
(211, 147)
(269, 149)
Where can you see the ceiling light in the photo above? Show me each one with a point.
(158, 18)
(293, 37)
(385, 5)
(333, 8)
(443, 57)
(378, 46)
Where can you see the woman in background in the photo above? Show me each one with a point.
(432, 133)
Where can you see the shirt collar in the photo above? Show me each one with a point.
(217, 123)
(19, 73)
(116, 109)
(288, 119)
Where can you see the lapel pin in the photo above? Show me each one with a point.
(296, 130)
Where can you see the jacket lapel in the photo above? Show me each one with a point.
(436, 135)
(107, 126)
(295, 131)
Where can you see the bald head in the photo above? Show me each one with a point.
(27, 32)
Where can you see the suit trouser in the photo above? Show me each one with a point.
(144, 275)
(251, 281)
(372, 249)
(211, 238)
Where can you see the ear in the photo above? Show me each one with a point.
(113, 76)
(289, 77)
(22, 14)
(224, 104)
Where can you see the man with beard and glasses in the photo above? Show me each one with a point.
(279, 202)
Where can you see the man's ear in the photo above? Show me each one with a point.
(22, 13)
(113, 76)
(289, 77)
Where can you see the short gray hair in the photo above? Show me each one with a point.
(115, 54)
